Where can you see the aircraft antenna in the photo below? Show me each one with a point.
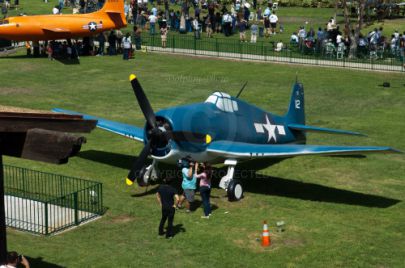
(296, 77)
(240, 91)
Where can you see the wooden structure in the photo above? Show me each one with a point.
(37, 136)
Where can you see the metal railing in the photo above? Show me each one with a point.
(265, 51)
(45, 203)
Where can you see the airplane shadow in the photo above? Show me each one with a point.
(108, 158)
(68, 61)
(313, 192)
(38, 262)
(64, 61)
(261, 184)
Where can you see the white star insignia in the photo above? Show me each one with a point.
(271, 129)
(92, 26)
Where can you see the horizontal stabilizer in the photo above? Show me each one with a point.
(321, 129)
(126, 130)
(240, 150)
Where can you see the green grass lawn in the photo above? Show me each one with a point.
(338, 211)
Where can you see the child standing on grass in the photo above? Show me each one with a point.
(253, 32)
(163, 35)
(242, 30)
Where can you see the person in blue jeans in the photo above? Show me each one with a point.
(189, 184)
(205, 188)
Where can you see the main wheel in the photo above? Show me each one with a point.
(143, 178)
(235, 190)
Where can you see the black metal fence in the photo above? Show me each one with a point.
(46, 203)
(265, 51)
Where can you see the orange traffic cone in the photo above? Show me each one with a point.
(266, 236)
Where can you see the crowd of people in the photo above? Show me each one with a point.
(263, 22)
(106, 43)
(331, 40)
(251, 21)
(193, 174)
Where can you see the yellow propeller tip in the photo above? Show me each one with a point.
(132, 77)
(208, 139)
(129, 182)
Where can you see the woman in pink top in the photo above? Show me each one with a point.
(205, 188)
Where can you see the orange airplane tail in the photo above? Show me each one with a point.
(115, 10)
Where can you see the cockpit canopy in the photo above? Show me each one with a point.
(223, 102)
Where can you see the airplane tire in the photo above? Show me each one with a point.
(235, 190)
(143, 178)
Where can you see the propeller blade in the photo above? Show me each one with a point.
(143, 101)
(189, 136)
(138, 164)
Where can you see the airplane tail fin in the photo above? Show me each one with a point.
(115, 9)
(296, 110)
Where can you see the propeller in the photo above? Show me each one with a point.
(157, 134)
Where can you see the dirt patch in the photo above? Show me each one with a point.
(4, 91)
(122, 219)
(253, 241)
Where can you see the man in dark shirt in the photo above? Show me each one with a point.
(166, 195)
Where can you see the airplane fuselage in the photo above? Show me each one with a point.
(247, 123)
(52, 27)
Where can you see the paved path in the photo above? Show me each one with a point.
(314, 62)
(38, 217)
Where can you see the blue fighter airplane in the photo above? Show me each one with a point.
(223, 129)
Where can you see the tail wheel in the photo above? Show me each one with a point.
(235, 190)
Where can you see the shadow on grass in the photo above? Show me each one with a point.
(148, 190)
(68, 61)
(61, 60)
(38, 262)
(113, 159)
(178, 228)
(314, 192)
(256, 183)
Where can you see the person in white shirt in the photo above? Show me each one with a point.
(339, 39)
(273, 22)
(127, 45)
(152, 21)
(279, 46)
(196, 27)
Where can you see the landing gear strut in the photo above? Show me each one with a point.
(147, 174)
(233, 187)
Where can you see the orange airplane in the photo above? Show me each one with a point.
(52, 27)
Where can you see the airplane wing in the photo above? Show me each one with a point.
(240, 150)
(126, 130)
(56, 29)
